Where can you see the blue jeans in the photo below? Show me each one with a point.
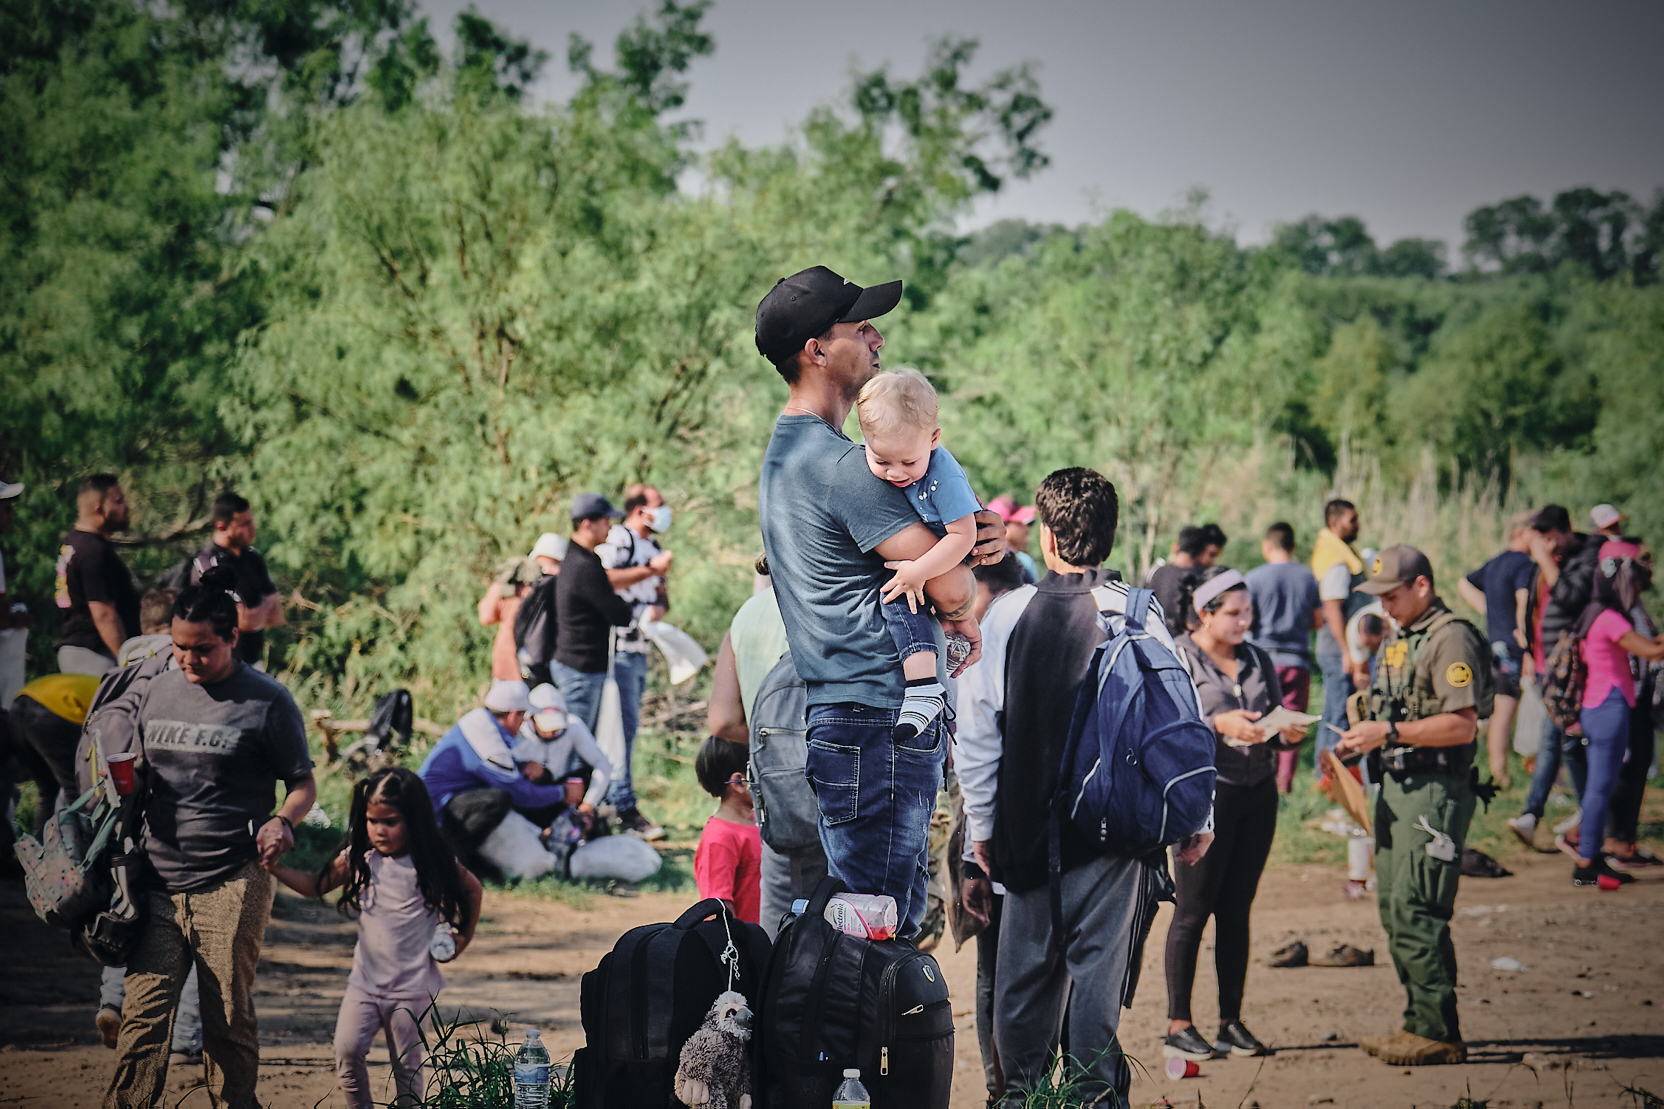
(630, 669)
(582, 691)
(912, 631)
(875, 796)
(1337, 687)
(1606, 728)
(1554, 748)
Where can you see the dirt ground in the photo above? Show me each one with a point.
(1583, 1018)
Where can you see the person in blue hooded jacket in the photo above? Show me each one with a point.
(473, 778)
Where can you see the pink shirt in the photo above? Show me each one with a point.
(395, 930)
(1608, 663)
(729, 866)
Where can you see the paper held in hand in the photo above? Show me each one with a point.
(1275, 721)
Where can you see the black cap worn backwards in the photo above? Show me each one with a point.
(805, 305)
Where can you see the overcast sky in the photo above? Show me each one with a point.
(1408, 114)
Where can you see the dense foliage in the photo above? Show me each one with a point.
(291, 247)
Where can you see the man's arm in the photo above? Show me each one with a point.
(276, 837)
(1447, 729)
(1522, 601)
(597, 590)
(488, 610)
(726, 715)
(583, 741)
(1542, 553)
(952, 592)
(1472, 595)
(108, 623)
(267, 614)
(1335, 621)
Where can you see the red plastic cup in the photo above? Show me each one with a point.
(574, 791)
(1182, 1068)
(121, 773)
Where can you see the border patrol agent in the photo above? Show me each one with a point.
(1431, 689)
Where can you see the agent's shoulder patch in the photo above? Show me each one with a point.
(1459, 675)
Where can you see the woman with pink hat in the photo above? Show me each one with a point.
(1623, 573)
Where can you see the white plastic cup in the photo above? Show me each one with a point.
(1360, 857)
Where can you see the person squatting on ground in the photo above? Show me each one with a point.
(399, 878)
(1238, 683)
(728, 864)
(1608, 641)
(828, 529)
(474, 781)
(217, 737)
(903, 440)
(93, 584)
(1286, 609)
(1014, 719)
(1499, 591)
(1432, 686)
(636, 568)
(259, 605)
(1339, 570)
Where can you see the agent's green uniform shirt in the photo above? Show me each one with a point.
(1437, 665)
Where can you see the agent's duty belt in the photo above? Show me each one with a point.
(1454, 761)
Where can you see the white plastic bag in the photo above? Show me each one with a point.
(514, 847)
(680, 650)
(609, 724)
(1528, 725)
(625, 858)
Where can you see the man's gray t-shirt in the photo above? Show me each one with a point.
(216, 755)
(822, 513)
(1284, 593)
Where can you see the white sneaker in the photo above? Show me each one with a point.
(1569, 823)
(1524, 828)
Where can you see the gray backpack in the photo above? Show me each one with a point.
(787, 815)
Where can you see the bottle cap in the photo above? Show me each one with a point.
(532, 1033)
(852, 1072)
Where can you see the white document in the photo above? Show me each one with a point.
(1275, 721)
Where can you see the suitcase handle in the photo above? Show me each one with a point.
(704, 910)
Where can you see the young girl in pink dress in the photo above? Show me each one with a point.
(401, 880)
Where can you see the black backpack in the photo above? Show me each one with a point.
(391, 722)
(835, 1000)
(534, 629)
(652, 992)
(787, 815)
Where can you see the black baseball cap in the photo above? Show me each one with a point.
(593, 506)
(806, 304)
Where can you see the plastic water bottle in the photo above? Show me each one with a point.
(852, 1095)
(531, 1073)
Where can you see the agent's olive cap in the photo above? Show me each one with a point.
(806, 305)
(1395, 566)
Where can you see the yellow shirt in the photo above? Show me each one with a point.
(65, 695)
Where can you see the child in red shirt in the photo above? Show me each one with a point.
(729, 862)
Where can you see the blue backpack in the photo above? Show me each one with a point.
(1138, 769)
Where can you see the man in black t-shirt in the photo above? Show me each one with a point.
(1196, 550)
(93, 583)
(260, 606)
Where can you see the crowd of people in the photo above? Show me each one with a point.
(895, 620)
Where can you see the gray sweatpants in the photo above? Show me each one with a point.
(1034, 982)
(786, 877)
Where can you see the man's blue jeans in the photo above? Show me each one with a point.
(630, 668)
(1337, 687)
(582, 691)
(876, 796)
(1555, 747)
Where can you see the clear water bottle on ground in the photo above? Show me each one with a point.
(852, 1095)
(531, 1073)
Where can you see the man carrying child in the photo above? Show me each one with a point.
(830, 525)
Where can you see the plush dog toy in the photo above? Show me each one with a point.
(715, 1070)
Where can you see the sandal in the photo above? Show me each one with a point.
(1289, 955)
(1345, 955)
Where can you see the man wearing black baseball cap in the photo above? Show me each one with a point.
(586, 611)
(829, 526)
(1431, 689)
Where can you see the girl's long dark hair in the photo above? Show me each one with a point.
(436, 866)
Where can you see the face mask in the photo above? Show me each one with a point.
(660, 520)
